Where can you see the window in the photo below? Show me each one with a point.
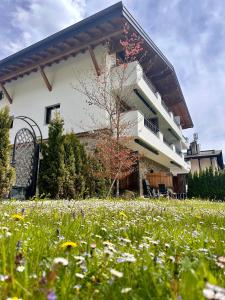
(120, 57)
(50, 112)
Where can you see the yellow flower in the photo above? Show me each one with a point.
(122, 214)
(69, 245)
(18, 217)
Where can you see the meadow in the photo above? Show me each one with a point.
(98, 249)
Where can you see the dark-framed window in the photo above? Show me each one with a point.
(50, 112)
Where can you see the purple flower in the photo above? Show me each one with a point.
(51, 295)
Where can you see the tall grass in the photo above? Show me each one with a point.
(119, 249)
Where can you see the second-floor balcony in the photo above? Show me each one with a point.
(131, 79)
(149, 141)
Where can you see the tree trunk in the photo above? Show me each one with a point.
(117, 188)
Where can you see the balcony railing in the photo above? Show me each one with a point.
(156, 104)
(179, 152)
(150, 84)
(167, 143)
(151, 126)
(165, 107)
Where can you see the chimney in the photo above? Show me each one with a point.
(194, 146)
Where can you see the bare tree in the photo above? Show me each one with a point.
(110, 92)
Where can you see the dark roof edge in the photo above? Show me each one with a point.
(116, 8)
(196, 156)
(141, 31)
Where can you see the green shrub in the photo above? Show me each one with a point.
(207, 184)
(7, 174)
(66, 171)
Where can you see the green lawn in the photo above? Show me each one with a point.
(143, 249)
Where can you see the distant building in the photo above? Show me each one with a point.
(201, 160)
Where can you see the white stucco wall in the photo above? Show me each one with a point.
(204, 164)
(31, 96)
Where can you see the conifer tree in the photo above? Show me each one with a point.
(7, 174)
(69, 190)
(52, 168)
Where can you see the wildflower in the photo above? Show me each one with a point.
(126, 257)
(154, 242)
(13, 298)
(195, 233)
(126, 290)
(98, 236)
(116, 273)
(172, 258)
(122, 214)
(69, 245)
(60, 261)
(77, 287)
(51, 295)
(213, 292)
(17, 217)
(20, 269)
(124, 241)
(4, 277)
(221, 262)
(80, 258)
(221, 259)
(79, 275)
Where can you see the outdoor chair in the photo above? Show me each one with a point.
(163, 190)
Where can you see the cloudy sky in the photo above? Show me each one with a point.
(191, 33)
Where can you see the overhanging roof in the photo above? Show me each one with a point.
(105, 25)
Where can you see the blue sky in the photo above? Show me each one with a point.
(191, 33)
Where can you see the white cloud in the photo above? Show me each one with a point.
(38, 19)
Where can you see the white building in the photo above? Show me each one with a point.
(200, 160)
(40, 79)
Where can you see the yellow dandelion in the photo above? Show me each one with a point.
(17, 217)
(122, 214)
(69, 245)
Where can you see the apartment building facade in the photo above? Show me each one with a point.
(40, 80)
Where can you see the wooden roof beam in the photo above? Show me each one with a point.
(38, 56)
(58, 57)
(53, 50)
(77, 40)
(94, 60)
(6, 93)
(45, 78)
(28, 60)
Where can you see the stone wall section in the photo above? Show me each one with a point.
(148, 165)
